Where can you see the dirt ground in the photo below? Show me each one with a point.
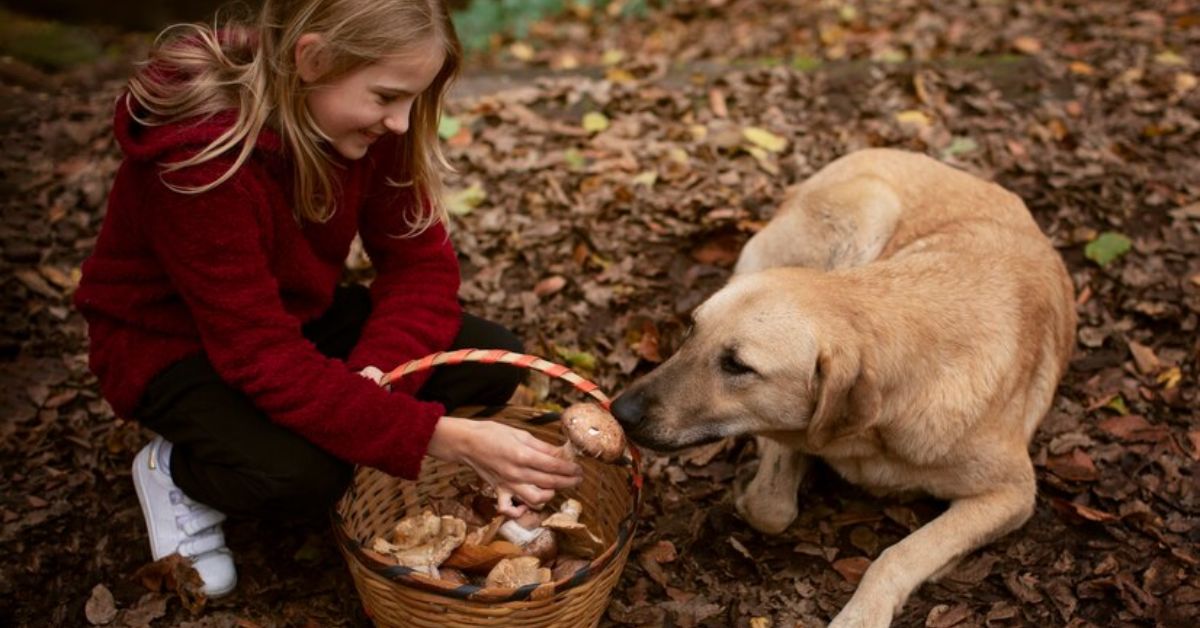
(606, 184)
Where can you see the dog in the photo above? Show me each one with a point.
(900, 319)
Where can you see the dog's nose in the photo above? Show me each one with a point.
(629, 409)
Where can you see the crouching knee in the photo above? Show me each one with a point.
(309, 485)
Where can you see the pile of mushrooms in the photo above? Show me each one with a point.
(464, 540)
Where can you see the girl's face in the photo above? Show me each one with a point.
(357, 108)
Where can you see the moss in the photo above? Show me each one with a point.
(45, 43)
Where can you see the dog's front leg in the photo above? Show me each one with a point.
(768, 503)
(968, 524)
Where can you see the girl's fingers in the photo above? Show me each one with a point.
(550, 463)
(546, 480)
(533, 495)
(542, 445)
(505, 504)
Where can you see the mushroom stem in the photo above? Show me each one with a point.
(537, 541)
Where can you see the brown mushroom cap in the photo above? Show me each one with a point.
(423, 541)
(511, 573)
(593, 431)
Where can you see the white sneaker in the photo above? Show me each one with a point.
(178, 524)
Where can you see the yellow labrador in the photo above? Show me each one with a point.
(904, 321)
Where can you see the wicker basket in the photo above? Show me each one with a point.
(395, 596)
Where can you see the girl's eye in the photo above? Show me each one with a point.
(731, 365)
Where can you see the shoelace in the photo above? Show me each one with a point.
(199, 523)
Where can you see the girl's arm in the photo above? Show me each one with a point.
(211, 245)
(414, 298)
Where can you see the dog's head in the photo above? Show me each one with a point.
(762, 357)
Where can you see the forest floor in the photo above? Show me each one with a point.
(605, 186)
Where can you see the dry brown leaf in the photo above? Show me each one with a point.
(174, 573)
(1076, 466)
(1028, 45)
(945, 616)
(852, 568)
(1134, 428)
(550, 285)
(1079, 510)
(100, 608)
(716, 102)
(1144, 358)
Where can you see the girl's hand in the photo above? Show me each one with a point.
(374, 374)
(514, 461)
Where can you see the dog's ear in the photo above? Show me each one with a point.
(847, 399)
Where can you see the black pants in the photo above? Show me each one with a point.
(229, 455)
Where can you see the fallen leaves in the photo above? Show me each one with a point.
(100, 608)
(174, 574)
(1107, 248)
(852, 568)
(1076, 466)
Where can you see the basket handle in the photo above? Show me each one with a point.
(499, 356)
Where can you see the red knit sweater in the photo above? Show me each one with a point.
(230, 273)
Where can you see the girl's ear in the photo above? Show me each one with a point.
(312, 59)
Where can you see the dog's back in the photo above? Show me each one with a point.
(939, 241)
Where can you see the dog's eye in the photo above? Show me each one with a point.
(731, 365)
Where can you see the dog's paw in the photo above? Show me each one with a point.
(857, 617)
(770, 516)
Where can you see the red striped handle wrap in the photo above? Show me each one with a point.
(498, 356)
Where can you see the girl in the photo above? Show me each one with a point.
(252, 157)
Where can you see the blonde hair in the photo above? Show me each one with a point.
(209, 69)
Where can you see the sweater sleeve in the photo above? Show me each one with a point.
(414, 302)
(212, 246)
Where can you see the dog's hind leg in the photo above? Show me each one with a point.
(826, 226)
(969, 523)
(768, 502)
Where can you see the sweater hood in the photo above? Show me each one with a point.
(141, 142)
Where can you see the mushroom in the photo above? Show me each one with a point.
(567, 566)
(592, 430)
(512, 573)
(574, 536)
(480, 558)
(454, 576)
(527, 533)
(422, 542)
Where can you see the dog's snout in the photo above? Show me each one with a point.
(629, 409)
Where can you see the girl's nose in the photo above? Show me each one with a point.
(396, 120)
(396, 124)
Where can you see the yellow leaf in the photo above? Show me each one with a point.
(1081, 68)
(566, 61)
(1170, 377)
(698, 131)
(764, 139)
(521, 50)
(612, 57)
(617, 75)
(760, 622)
(1168, 57)
(764, 159)
(461, 202)
(913, 117)
(594, 122)
(678, 155)
(647, 178)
